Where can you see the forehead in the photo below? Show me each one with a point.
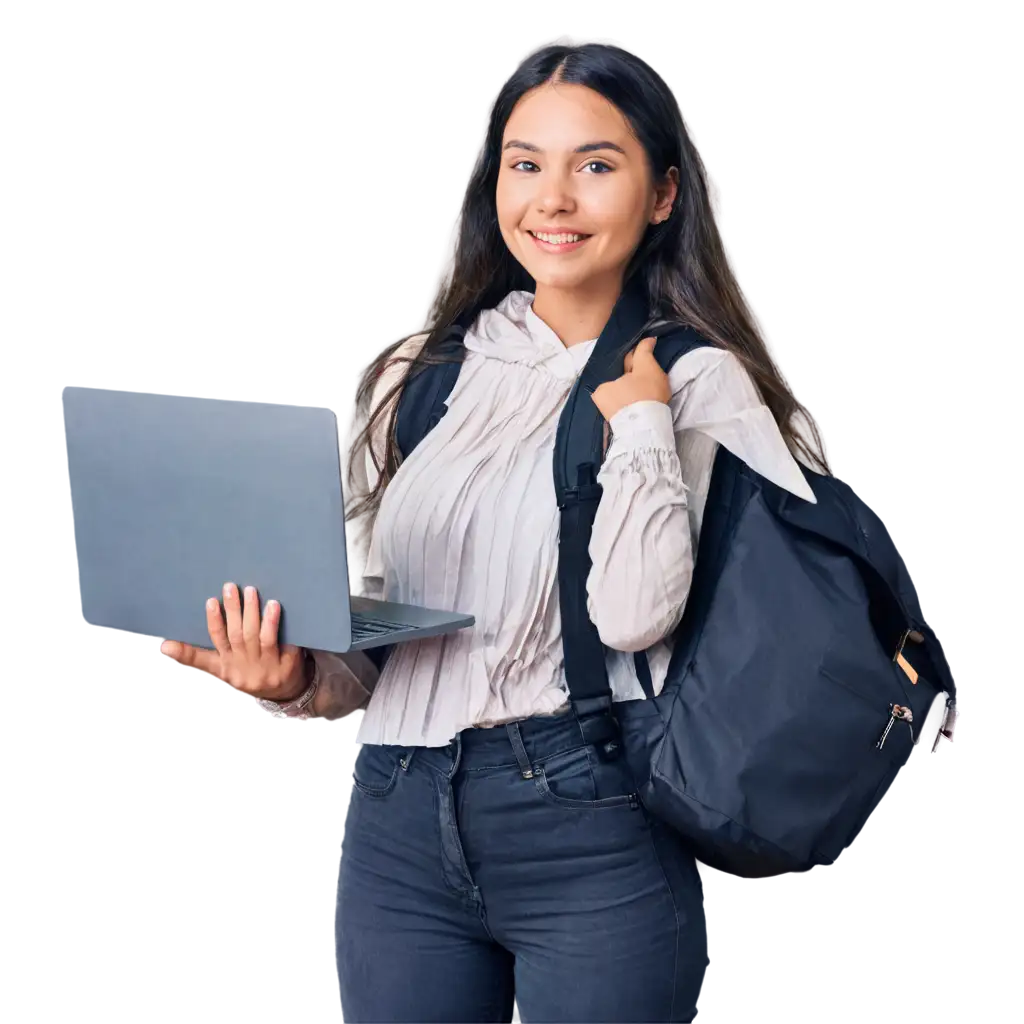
(562, 115)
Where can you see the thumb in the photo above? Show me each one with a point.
(644, 351)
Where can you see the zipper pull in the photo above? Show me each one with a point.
(895, 711)
(948, 723)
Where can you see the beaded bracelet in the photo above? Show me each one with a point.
(300, 707)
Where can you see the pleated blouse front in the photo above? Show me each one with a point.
(469, 523)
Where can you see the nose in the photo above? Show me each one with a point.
(555, 192)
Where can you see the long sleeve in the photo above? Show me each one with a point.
(645, 534)
(345, 680)
(640, 546)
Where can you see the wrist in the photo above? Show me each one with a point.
(648, 423)
(301, 706)
(305, 674)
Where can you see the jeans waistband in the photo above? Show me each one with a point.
(529, 739)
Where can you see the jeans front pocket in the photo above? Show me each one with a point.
(376, 770)
(578, 779)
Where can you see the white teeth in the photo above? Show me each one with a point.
(557, 239)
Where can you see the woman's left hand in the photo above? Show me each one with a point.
(643, 380)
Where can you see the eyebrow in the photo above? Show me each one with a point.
(587, 147)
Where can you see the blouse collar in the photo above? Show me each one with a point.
(512, 332)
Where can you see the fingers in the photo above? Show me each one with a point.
(643, 351)
(286, 654)
(233, 613)
(246, 649)
(268, 628)
(172, 648)
(644, 347)
(215, 627)
(194, 657)
(642, 359)
(251, 623)
(200, 668)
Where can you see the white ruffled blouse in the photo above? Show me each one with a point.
(469, 523)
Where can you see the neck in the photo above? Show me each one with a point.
(578, 314)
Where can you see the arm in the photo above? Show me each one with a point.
(342, 682)
(640, 546)
(643, 543)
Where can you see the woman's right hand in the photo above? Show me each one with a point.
(246, 653)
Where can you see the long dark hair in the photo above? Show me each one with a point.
(681, 260)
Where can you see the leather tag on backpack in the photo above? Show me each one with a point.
(907, 667)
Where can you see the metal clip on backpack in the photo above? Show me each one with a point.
(802, 669)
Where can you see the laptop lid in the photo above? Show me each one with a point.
(173, 496)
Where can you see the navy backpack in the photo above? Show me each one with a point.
(802, 669)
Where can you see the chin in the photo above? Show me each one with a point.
(566, 280)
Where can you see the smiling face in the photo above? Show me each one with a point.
(569, 163)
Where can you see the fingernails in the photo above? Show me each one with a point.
(273, 606)
(211, 604)
(165, 647)
(228, 589)
(250, 593)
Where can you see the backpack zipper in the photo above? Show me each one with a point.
(896, 711)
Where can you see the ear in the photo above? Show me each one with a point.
(665, 196)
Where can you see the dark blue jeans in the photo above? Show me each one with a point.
(513, 864)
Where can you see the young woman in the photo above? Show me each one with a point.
(489, 855)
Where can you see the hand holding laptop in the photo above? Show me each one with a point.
(177, 494)
(246, 653)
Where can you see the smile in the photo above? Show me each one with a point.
(558, 243)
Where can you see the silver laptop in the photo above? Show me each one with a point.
(174, 496)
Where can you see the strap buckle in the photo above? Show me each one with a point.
(587, 488)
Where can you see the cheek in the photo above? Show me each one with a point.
(507, 230)
(508, 204)
(619, 216)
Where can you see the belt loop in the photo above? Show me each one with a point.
(516, 739)
(600, 726)
(454, 750)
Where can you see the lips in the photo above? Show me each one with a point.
(549, 236)
(563, 247)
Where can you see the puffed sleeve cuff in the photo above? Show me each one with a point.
(644, 424)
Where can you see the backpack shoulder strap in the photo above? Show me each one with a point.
(674, 341)
(579, 442)
(578, 453)
(420, 406)
(422, 402)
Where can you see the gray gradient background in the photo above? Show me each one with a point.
(244, 196)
